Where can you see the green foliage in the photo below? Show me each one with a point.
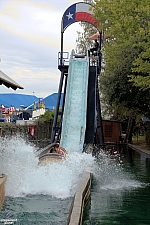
(141, 64)
(47, 116)
(125, 82)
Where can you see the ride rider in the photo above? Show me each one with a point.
(59, 150)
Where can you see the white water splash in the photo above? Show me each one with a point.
(20, 163)
(113, 176)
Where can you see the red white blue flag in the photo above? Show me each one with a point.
(78, 12)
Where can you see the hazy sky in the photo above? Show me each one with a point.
(30, 37)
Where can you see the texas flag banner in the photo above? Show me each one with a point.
(78, 12)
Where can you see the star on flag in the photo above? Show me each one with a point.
(70, 16)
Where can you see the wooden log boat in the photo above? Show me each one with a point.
(50, 158)
(46, 157)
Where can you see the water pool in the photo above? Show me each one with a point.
(120, 192)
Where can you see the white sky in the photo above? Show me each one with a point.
(30, 37)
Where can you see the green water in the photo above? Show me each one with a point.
(124, 201)
(38, 209)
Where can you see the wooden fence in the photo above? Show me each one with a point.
(38, 133)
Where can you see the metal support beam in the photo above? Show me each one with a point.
(57, 107)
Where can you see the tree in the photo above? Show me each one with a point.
(141, 65)
(126, 53)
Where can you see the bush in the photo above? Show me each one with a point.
(48, 115)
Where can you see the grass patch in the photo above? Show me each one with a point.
(139, 138)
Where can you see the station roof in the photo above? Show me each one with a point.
(18, 100)
(51, 101)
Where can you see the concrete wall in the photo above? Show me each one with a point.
(24, 122)
(80, 199)
(2, 189)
